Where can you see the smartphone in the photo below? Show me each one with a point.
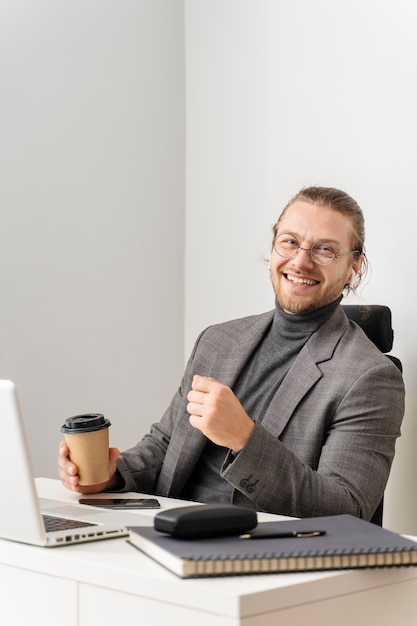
(122, 503)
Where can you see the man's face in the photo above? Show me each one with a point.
(300, 284)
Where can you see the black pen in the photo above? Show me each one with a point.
(282, 535)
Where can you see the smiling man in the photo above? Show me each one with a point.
(316, 253)
(293, 411)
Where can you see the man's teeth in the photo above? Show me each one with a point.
(301, 281)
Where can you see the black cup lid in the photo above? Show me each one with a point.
(85, 423)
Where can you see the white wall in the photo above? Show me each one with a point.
(282, 94)
(92, 212)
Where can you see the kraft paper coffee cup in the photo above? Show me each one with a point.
(87, 438)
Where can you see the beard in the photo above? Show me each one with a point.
(300, 306)
(303, 304)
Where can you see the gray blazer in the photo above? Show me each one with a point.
(327, 440)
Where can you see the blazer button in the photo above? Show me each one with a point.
(247, 485)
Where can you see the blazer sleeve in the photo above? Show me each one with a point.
(342, 467)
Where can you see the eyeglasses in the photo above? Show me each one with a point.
(321, 253)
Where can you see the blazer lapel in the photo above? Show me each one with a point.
(224, 363)
(304, 372)
(189, 443)
(233, 352)
(301, 377)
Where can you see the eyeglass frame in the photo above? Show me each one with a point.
(310, 250)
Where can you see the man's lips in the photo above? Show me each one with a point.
(301, 280)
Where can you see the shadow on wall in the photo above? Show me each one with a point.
(400, 508)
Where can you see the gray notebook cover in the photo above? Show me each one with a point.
(348, 542)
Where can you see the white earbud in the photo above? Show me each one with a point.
(353, 278)
(269, 263)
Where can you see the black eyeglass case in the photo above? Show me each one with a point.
(206, 520)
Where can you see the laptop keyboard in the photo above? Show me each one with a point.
(52, 523)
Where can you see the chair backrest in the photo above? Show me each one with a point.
(376, 321)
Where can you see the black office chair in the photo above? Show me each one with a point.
(376, 321)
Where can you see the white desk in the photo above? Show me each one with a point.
(108, 582)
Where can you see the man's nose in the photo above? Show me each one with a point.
(303, 258)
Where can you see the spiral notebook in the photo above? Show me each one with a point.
(341, 542)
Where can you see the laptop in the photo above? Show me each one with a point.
(39, 521)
